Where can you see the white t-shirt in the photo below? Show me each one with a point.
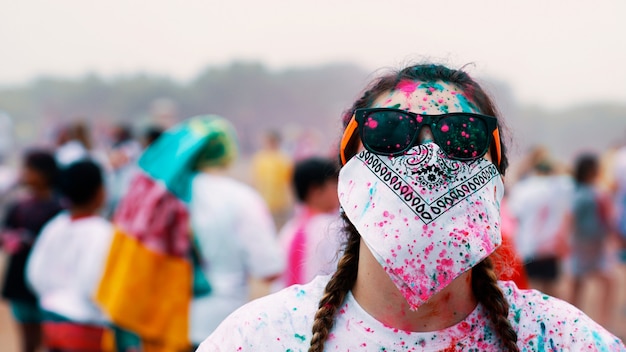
(323, 239)
(283, 321)
(237, 239)
(66, 265)
(71, 152)
(540, 204)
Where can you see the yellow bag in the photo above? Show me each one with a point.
(147, 293)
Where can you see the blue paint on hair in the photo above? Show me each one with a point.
(466, 105)
(435, 85)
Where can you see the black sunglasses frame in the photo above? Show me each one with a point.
(360, 115)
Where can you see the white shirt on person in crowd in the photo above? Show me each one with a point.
(237, 240)
(322, 243)
(540, 204)
(66, 265)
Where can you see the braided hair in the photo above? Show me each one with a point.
(484, 280)
(339, 284)
(486, 290)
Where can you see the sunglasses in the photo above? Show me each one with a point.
(392, 132)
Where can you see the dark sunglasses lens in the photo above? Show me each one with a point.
(388, 132)
(462, 136)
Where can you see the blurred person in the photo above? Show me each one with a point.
(187, 240)
(8, 177)
(306, 145)
(150, 135)
(67, 262)
(619, 199)
(125, 143)
(526, 166)
(541, 202)
(24, 219)
(9, 182)
(619, 189)
(122, 159)
(73, 143)
(420, 189)
(271, 172)
(591, 227)
(312, 238)
(606, 175)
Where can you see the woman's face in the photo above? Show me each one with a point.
(426, 218)
(428, 98)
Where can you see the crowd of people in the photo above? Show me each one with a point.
(144, 212)
(569, 224)
(405, 239)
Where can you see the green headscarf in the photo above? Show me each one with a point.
(199, 142)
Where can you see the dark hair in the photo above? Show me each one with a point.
(122, 133)
(44, 163)
(152, 134)
(79, 131)
(484, 281)
(311, 172)
(81, 181)
(586, 168)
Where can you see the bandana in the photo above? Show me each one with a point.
(426, 218)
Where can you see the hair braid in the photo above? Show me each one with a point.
(486, 290)
(335, 292)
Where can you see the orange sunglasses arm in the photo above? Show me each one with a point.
(346, 138)
(496, 138)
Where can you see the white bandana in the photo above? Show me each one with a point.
(426, 218)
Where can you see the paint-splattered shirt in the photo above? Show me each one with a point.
(282, 322)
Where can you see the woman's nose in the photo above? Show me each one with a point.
(425, 135)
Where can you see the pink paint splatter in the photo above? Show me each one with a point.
(407, 87)
(371, 123)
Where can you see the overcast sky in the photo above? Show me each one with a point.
(552, 53)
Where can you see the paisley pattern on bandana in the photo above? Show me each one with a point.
(426, 218)
(446, 181)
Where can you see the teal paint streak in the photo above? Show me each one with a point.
(466, 105)
(541, 338)
(300, 337)
(435, 85)
(369, 202)
(597, 340)
(516, 317)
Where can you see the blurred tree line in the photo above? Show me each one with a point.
(257, 99)
(253, 97)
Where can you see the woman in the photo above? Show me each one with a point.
(420, 196)
(591, 234)
(187, 239)
(23, 221)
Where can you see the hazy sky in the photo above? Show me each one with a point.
(552, 53)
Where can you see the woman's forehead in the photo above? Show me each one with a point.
(430, 98)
